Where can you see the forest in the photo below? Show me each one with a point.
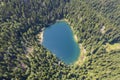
(95, 22)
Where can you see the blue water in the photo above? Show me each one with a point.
(58, 38)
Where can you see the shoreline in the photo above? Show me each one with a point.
(74, 35)
(40, 35)
(82, 55)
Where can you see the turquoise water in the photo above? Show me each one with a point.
(58, 38)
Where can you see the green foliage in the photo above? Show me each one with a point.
(23, 58)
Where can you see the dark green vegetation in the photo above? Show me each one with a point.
(22, 57)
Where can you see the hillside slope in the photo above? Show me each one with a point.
(95, 22)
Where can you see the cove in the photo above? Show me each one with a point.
(59, 39)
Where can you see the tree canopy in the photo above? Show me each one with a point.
(95, 22)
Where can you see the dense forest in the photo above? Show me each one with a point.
(95, 22)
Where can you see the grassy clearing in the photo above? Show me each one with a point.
(111, 47)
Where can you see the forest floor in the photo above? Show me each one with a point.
(102, 30)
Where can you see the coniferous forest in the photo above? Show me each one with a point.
(95, 22)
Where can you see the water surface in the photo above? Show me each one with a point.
(58, 38)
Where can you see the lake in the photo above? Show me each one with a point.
(59, 39)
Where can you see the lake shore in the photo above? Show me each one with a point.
(74, 35)
(40, 35)
(82, 54)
